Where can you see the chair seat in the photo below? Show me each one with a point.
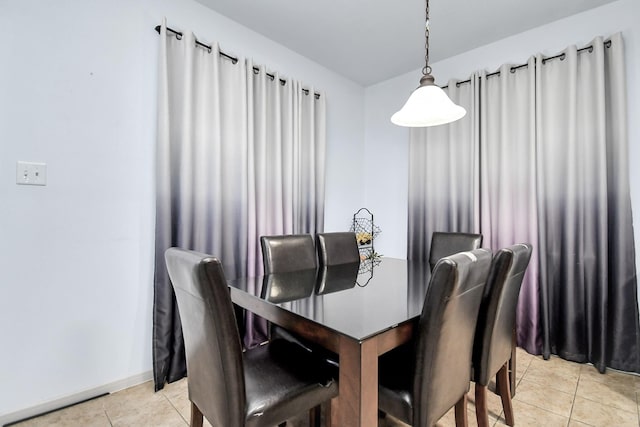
(283, 378)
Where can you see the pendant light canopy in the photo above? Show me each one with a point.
(428, 105)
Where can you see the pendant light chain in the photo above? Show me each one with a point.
(426, 69)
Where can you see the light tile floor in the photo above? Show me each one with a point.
(549, 393)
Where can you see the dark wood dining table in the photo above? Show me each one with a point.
(357, 316)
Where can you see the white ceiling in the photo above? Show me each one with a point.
(369, 41)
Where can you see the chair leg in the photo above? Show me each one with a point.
(196, 416)
(461, 412)
(505, 393)
(512, 365)
(326, 412)
(315, 415)
(482, 412)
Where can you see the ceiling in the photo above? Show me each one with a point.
(369, 41)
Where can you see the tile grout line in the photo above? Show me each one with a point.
(106, 414)
(591, 399)
(638, 405)
(553, 390)
(575, 395)
(176, 409)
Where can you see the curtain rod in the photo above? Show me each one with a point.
(513, 69)
(233, 59)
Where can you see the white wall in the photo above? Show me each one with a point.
(77, 91)
(387, 145)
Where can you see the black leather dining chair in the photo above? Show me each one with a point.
(284, 254)
(448, 243)
(420, 381)
(291, 252)
(263, 386)
(494, 332)
(337, 248)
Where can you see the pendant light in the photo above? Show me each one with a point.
(428, 105)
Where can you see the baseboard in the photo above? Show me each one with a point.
(72, 399)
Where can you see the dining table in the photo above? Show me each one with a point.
(357, 311)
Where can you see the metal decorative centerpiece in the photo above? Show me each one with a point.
(366, 232)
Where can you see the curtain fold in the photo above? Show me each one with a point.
(443, 174)
(239, 155)
(508, 180)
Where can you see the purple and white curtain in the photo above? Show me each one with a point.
(239, 155)
(551, 143)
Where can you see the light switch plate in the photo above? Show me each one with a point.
(31, 173)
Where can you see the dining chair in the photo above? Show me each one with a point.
(448, 243)
(337, 248)
(283, 254)
(263, 386)
(493, 342)
(291, 252)
(421, 380)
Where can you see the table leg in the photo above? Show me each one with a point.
(357, 403)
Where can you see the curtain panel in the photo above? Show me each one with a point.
(553, 171)
(508, 180)
(586, 247)
(239, 155)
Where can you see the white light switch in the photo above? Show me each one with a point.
(31, 173)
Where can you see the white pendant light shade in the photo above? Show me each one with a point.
(428, 105)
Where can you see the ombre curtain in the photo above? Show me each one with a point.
(239, 155)
(586, 249)
(443, 174)
(553, 171)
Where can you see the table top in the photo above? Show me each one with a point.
(356, 305)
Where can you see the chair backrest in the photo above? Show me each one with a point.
(445, 243)
(292, 252)
(497, 316)
(338, 248)
(212, 342)
(445, 334)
